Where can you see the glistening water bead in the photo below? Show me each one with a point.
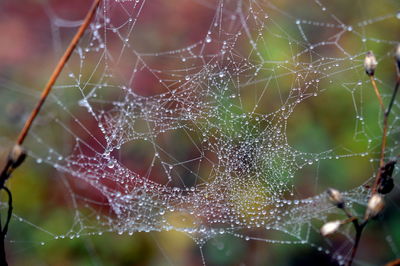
(111, 164)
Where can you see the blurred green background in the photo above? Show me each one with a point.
(344, 117)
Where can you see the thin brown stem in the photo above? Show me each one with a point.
(393, 262)
(385, 128)
(57, 71)
(382, 154)
(359, 229)
(384, 133)
(378, 94)
(11, 165)
(350, 220)
(8, 169)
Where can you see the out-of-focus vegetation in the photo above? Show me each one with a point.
(30, 48)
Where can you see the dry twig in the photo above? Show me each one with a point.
(12, 162)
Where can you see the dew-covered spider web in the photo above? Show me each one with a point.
(197, 127)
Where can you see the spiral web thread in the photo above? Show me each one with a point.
(226, 99)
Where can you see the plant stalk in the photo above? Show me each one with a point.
(8, 168)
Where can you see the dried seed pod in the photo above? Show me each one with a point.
(335, 197)
(386, 182)
(370, 63)
(330, 227)
(17, 156)
(375, 206)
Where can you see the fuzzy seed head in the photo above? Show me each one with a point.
(335, 197)
(330, 228)
(370, 63)
(375, 205)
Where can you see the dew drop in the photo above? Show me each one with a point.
(110, 164)
(83, 103)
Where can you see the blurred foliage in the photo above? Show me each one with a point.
(27, 56)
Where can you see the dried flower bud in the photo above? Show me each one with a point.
(397, 56)
(370, 63)
(17, 156)
(335, 197)
(330, 227)
(386, 183)
(375, 205)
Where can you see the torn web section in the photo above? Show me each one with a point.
(193, 136)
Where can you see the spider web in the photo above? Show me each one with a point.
(197, 137)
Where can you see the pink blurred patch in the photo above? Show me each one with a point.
(16, 42)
